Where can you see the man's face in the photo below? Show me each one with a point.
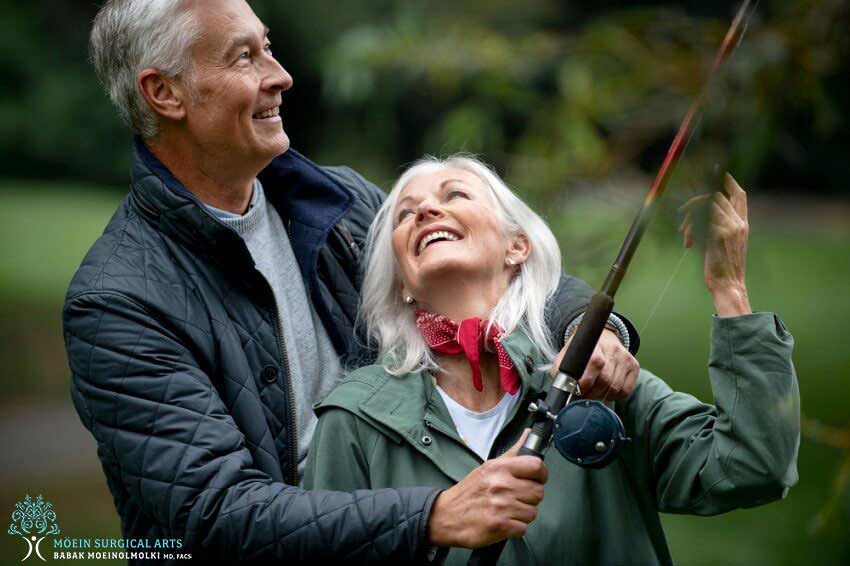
(237, 83)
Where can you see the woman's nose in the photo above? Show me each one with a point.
(428, 210)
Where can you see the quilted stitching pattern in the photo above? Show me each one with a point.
(165, 345)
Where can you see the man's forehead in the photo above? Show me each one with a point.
(225, 22)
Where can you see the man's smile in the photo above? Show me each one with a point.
(270, 114)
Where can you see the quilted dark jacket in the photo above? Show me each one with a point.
(180, 373)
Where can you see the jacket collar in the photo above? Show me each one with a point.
(308, 199)
(410, 410)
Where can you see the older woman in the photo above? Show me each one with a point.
(457, 278)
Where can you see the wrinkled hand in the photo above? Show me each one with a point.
(726, 246)
(611, 373)
(497, 500)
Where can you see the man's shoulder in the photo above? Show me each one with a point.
(368, 198)
(125, 259)
(363, 189)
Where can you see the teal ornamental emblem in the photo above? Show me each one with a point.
(33, 521)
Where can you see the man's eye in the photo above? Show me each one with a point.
(245, 55)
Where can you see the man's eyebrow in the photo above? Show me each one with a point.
(243, 39)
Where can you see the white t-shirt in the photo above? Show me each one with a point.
(479, 430)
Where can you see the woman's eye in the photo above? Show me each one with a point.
(267, 47)
(404, 214)
(455, 194)
(245, 55)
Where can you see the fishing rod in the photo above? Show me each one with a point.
(589, 433)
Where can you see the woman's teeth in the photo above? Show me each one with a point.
(441, 235)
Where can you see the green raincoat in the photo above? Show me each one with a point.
(376, 430)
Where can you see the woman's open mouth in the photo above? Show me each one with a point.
(436, 236)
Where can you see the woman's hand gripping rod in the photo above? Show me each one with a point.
(560, 393)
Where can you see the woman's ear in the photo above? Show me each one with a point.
(518, 250)
(163, 95)
(406, 297)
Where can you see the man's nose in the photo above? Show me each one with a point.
(276, 79)
(428, 210)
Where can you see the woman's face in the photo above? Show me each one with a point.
(446, 231)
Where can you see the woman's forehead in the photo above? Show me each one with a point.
(429, 183)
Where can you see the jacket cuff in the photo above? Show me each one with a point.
(634, 336)
(428, 553)
(625, 330)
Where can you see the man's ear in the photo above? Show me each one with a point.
(519, 249)
(165, 97)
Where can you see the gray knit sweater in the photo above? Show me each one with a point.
(313, 363)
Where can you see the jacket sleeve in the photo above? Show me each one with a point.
(742, 451)
(568, 302)
(170, 447)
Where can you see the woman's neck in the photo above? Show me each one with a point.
(463, 297)
(468, 297)
(456, 380)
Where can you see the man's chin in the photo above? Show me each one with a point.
(284, 144)
(278, 147)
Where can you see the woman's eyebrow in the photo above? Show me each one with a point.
(442, 187)
(447, 181)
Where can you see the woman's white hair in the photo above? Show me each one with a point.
(129, 36)
(391, 323)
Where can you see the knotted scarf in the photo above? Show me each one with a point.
(467, 337)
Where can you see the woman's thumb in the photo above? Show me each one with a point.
(514, 450)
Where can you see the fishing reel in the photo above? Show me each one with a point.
(587, 433)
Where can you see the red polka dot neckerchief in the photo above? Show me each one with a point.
(446, 336)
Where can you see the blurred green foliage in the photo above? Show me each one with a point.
(575, 104)
(555, 104)
(555, 94)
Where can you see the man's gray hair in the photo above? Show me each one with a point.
(391, 323)
(129, 36)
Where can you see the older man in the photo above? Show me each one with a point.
(219, 305)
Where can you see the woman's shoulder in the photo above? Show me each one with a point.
(363, 384)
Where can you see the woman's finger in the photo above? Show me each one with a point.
(631, 380)
(737, 195)
(618, 380)
(720, 218)
(727, 207)
(694, 202)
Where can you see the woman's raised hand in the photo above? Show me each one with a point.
(726, 246)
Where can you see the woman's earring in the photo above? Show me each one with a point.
(409, 300)
(510, 261)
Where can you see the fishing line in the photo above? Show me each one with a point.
(664, 291)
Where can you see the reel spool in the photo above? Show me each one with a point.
(589, 433)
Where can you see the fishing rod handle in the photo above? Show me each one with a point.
(585, 339)
(573, 364)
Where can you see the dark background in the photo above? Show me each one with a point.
(575, 104)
